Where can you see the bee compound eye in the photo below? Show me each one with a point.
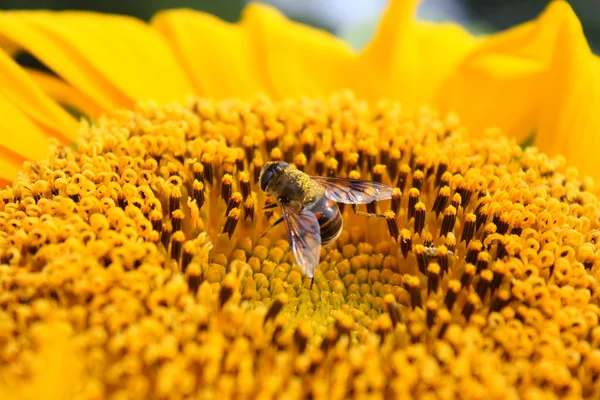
(265, 178)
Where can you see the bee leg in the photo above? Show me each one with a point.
(274, 224)
(366, 214)
(270, 205)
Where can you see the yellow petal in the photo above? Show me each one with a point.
(217, 56)
(501, 81)
(63, 93)
(297, 60)
(264, 53)
(24, 94)
(20, 139)
(113, 59)
(407, 60)
(569, 120)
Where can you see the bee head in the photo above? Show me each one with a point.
(271, 170)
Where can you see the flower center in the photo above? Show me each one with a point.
(146, 242)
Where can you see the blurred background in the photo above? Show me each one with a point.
(353, 20)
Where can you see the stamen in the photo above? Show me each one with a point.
(448, 221)
(445, 179)
(433, 278)
(418, 179)
(234, 202)
(301, 336)
(332, 167)
(198, 192)
(245, 184)
(249, 209)
(441, 169)
(207, 160)
(231, 222)
(226, 187)
(390, 218)
(377, 172)
(456, 200)
(189, 250)
(177, 220)
(500, 301)
(403, 176)
(258, 164)
(393, 309)
(467, 276)
(441, 200)
(396, 200)
(195, 278)
(227, 289)
(444, 318)
(405, 242)
(395, 158)
(454, 288)
(470, 306)
(483, 260)
(174, 199)
(301, 160)
(177, 240)
(319, 163)
(473, 250)
(469, 228)
(156, 218)
(413, 286)
(413, 199)
(499, 271)
(442, 259)
(422, 259)
(489, 229)
(420, 213)
(432, 309)
(485, 278)
(275, 307)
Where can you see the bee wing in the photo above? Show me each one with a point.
(304, 234)
(354, 191)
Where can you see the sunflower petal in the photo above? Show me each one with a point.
(216, 55)
(298, 60)
(569, 119)
(501, 81)
(21, 139)
(63, 93)
(25, 95)
(411, 57)
(90, 51)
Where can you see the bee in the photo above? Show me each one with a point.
(309, 207)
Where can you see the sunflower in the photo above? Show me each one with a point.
(132, 263)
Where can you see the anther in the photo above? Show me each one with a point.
(469, 307)
(467, 276)
(396, 200)
(483, 260)
(177, 220)
(156, 219)
(472, 250)
(444, 318)
(499, 271)
(372, 152)
(339, 151)
(489, 229)
(420, 213)
(445, 179)
(441, 200)
(319, 163)
(455, 202)
(301, 336)
(451, 242)
(485, 278)
(441, 169)
(442, 259)
(194, 275)
(433, 278)
(393, 309)
(422, 258)
(500, 301)
(377, 172)
(300, 160)
(231, 221)
(469, 228)
(405, 242)
(165, 236)
(395, 157)
(448, 221)
(413, 286)
(454, 288)
(308, 144)
(413, 199)
(227, 289)
(332, 167)
(418, 179)
(390, 218)
(275, 307)
(189, 250)
(245, 184)
(226, 187)
(258, 164)
(174, 199)
(481, 212)
(208, 169)
(234, 202)
(198, 192)
(502, 226)
(177, 240)
(249, 209)
(432, 309)
(403, 176)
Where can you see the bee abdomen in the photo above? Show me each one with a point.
(330, 219)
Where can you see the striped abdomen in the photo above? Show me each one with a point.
(329, 217)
